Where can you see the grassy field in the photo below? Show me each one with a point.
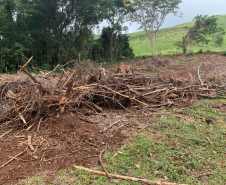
(180, 147)
(167, 37)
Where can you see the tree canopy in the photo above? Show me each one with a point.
(204, 29)
(151, 14)
(57, 31)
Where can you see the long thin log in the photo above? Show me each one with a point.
(123, 95)
(126, 177)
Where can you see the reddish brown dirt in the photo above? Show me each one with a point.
(180, 66)
(185, 67)
(59, 143)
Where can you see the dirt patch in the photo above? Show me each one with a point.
(186, 67)
(152, 64)
(59, 143)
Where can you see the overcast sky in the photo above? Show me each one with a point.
(190, 8)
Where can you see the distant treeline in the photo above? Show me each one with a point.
(57, 31)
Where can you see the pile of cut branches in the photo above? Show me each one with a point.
(86, 90)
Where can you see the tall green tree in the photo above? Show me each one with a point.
(205, 27)
(106, 50)
(219, 39)
(63, 16)
(116, 11)
(8, 34)
(151, 14)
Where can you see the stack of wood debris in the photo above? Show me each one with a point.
(85, 90)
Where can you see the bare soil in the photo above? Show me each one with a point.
(65, 140)
(58, 144)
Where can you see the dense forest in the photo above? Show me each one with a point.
(57, 31)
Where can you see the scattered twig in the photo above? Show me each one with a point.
(58, 65)
(120, 127)
(111, 126)
(115, 154)
(127, 177)
(6, 133)
(102, 164)
(99, 109)
(88, 157)
(209, 141)
(200, 76)
(85, 87)
(29, 128)
(39, 123)
(54, 158)
(12, 159)
(4, 90)
(72, 74)
(86, 120)
(29, 143)
(22, 118)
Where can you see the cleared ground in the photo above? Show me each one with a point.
(182, 142)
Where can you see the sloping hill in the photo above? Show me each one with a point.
(167, 37)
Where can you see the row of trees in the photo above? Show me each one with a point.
(56, 31)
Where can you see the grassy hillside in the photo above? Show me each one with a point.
(166, 38)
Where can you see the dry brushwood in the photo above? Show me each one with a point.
(85, 90)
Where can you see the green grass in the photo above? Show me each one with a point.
(179, 147)
(167, 37)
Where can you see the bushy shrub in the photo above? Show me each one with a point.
(223, 53)
(200, 51)
(179, 45)
(190, 53)
(219, 39)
